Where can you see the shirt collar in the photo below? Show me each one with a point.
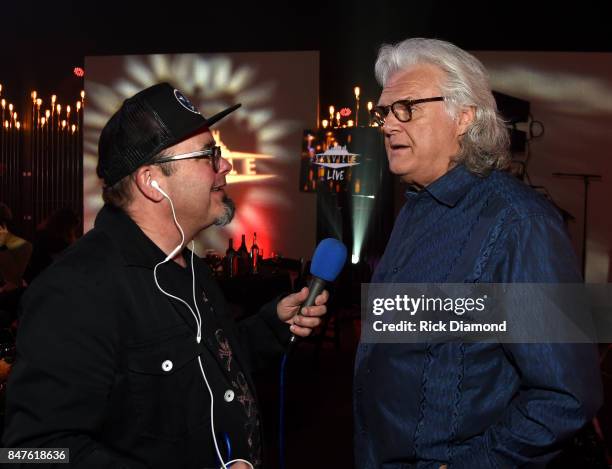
(449, 188)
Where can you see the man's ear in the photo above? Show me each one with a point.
(465, 119)
(143, 177)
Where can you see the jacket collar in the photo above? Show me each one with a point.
(136, 248)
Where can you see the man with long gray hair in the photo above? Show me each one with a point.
(464, 405)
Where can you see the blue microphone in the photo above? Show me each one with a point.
(327, 262)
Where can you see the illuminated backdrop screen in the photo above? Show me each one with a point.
(279, 95)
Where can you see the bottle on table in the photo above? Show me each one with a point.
(254, 255)
(243, 257)
(231, 260)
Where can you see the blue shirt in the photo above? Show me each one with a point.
(473, 405)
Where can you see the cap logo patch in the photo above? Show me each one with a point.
(183, 101)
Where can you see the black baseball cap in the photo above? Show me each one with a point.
(150, 121)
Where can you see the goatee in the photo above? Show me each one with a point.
(229, 208)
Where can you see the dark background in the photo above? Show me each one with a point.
(43, 41)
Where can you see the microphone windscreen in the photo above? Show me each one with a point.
(328, 259)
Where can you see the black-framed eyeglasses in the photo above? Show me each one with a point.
(401, 109)
(212, 153)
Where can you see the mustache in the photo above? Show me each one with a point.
(228, 212)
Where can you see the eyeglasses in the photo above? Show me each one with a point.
(402, 109)
(212, 153)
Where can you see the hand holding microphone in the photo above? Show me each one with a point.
(327, 262)
(302, 319)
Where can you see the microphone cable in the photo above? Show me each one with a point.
(281, 413)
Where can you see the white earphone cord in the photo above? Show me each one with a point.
(197, 318)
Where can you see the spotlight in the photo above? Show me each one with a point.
(355, 259)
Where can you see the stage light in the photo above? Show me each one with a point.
(361, 214)
(355, 259)
(78, 71)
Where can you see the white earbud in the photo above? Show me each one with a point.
(154, 184)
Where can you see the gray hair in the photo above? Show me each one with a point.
(485, 145)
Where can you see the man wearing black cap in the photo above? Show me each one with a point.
(126, 353)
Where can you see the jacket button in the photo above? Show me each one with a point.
(228, 396)
(167, 365)
(358, 391)
(395, 270)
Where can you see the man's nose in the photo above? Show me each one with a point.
(224, 166)
(391, 123)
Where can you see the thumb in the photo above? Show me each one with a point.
(301, 295)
